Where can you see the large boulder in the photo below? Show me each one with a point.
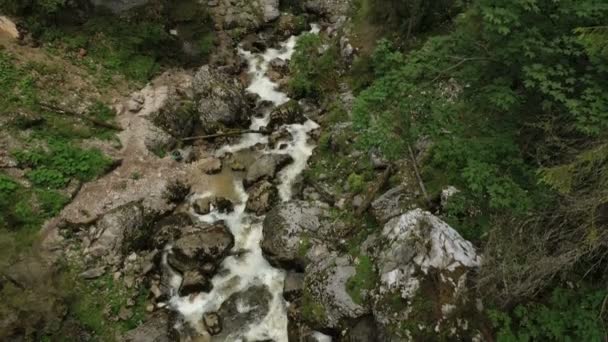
(423, 264)
(220, 100)
(292, 232)
(120, 231)
(262, 196)
(154, 329)
(392, 203)
(206, 244)
(287, 113)
(270, 10)
(266, 167)
(325, 287)
(178, 118)
(241, 311)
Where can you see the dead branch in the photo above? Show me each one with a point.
(417, 172)
(374, 189)
(57, 109)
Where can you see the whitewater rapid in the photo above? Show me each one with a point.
(249, 269)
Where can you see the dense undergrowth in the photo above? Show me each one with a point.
(513, 98)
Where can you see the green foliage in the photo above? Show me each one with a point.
(474, 92)
(364, 279)
(134, 48)
(356, 183)
(313, 67)
(63, 161)
(312, 311)
(568, 315)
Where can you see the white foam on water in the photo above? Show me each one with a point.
(248, 267)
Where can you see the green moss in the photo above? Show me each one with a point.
(364, 280)
(312, 311)
(304, 246)
(356, 183)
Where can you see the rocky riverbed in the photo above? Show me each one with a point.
(211, 212)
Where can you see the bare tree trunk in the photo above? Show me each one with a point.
(418, 177)
(92, 120)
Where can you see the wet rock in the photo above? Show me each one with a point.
(266, 167)
(221, 100)
(169, 229)
(93, 273)
(364, 330)
(325, 282)
(293, 285)
(224, 205)
(290, 231)
(154, 329)
(417, 254)
(290, 25)
(288, 113)
(202, 206)
(262, 196)
(212, 323)
(241, 310)
(277, 136)
(394, 202)
(210, 244)
(205, 205)
(194, 282)
(211, 165)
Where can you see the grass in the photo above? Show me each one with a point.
(364, 280)
(312, 311)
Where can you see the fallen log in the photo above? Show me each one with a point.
(374, 190)
(94, 121)
(227, 134)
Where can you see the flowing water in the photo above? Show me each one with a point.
(249, 269)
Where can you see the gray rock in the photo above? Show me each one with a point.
(394, 202)
(205, 205)
(446, 194)
(412, 251)
(177, 117)
(211, 165)
(364, 330)
(262, 196)
(288, 113)
(158, 141)
(234, 320)
(293, 285)
(290, 232)
(194, 282)
(220, 100)
(208, 244)
(154, 329)
(117, 231)
(93, 273)
(325, 281)
(212, 323)
(266, 167)
(271, 10)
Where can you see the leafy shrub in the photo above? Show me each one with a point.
(54, 168)
(569, 315)
(313, 67)
(356, 183)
